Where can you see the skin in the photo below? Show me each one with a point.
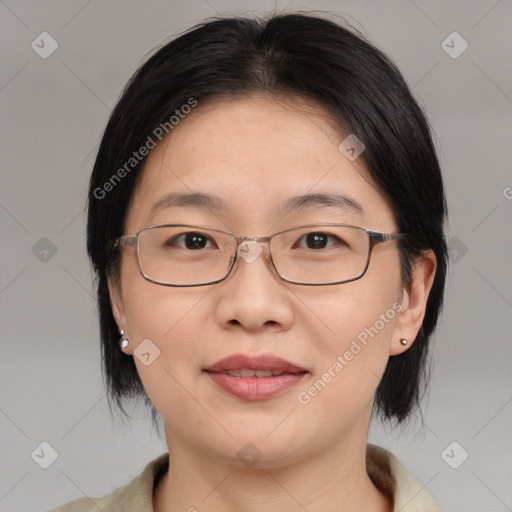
(256, 153)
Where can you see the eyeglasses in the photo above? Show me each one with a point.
(315, 254)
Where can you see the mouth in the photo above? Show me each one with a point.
(255, 378)
(250, 366)
(248, 372)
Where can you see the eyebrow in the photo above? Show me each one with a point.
(296, 203)
(322, 199)
(192, 200)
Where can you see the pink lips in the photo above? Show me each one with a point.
(255, 388)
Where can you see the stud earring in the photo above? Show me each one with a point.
(403, 341)
(123, 342)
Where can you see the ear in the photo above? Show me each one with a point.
(116, 302)
(414, 302)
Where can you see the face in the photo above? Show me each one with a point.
(254, 155)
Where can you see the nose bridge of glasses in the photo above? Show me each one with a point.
(260, 239)
(249, 248)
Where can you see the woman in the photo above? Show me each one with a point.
(266, 223)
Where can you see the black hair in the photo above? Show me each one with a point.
(296, 55)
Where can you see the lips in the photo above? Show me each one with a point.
(241, 365)
(255, 378)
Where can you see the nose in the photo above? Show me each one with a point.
(253, 296)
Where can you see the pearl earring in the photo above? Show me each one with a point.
(403, 341)
(123, 342)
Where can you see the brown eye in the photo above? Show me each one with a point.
(192, 241)
(317, 240)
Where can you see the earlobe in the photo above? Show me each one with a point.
(414, 303)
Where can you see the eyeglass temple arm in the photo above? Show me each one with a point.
(130, 241)
(385, 237)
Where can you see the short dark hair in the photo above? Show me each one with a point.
(296, 55)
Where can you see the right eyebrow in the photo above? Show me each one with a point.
(190, 200)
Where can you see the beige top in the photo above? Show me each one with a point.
(386, 472)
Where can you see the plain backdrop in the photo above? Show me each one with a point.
(53, 112)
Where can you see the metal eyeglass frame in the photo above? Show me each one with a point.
(374, 237)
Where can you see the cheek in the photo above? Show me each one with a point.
(152, 311)
(361, 310)
(349, 362)
(358, 319)
(358, 327)
(170, 319)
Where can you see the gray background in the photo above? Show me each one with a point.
(53, 114)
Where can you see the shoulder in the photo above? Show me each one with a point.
(392, 478)
(107, 503)
(136, 496)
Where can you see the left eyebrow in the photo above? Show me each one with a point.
(322, 199)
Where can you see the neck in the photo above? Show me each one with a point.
(334, 480)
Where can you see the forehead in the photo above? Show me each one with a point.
(257, 155)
